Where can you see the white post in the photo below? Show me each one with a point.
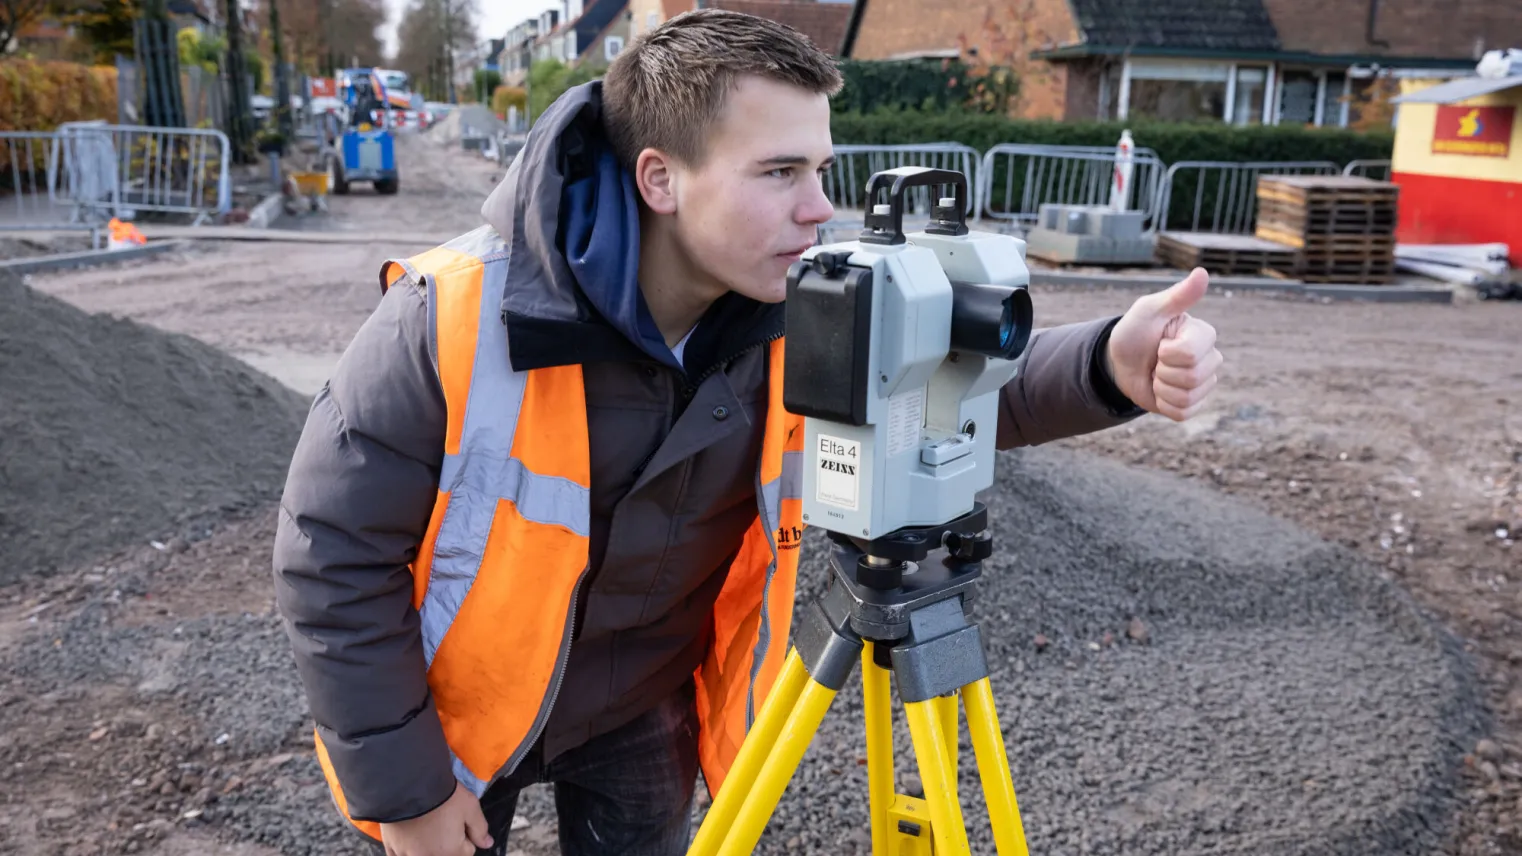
(1123, 109)
(1120, 180)
(1320, 97)
(1231, 93)
(1269, 113)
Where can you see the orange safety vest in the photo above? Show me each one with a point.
(507, 543)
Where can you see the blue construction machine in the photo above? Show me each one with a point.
(361, 140)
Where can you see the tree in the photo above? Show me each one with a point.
(430, 33)
(548, 79)
(105, 25)
(240, 119)
(505, 97)
(353, 25)
(283, 122)
(17, 15)
(484, 83)
(323, 36)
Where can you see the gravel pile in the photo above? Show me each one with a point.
(112, 432)
(1207, 680)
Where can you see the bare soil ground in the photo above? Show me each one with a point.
(1395, 430)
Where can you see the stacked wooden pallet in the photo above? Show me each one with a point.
(1342, 228)
(1222, 254)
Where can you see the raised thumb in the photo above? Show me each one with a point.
(1182, 295)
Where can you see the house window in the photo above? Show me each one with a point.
(611, 46)
(652, 20)
(1297, 97)
(1247, 95)
(1333, 106)
(1175, 91)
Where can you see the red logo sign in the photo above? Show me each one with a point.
(1483, 131)
(323, 87)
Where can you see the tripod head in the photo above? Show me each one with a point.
(897, 347)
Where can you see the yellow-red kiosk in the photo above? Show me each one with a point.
(1458, 161)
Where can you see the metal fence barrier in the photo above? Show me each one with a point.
(846, 182)
(118, 170)
(1224, 192)
(1378, 170)
(1017, 179)
(34, 183)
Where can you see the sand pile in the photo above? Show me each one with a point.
(112, 432)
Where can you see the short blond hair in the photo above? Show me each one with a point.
(666, 90)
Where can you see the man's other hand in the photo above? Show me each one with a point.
(455, 828)
(1163, 358)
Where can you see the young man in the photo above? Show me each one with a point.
(528, 533)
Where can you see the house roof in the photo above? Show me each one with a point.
(1396, 28)
(1458, 90)
(823, 23)
(1234, 25)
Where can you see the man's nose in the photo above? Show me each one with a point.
(816, 208)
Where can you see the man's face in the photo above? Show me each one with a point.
(753, 206)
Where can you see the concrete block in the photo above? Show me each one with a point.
(1058, 246)
(1118, 225)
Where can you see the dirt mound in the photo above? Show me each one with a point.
(111, 431)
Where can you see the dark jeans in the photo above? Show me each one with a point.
(628, 792)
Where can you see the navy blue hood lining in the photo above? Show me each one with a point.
(570, 215)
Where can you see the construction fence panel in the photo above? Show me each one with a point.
(1017, 179)
(1222, 196)
(36, 186)
(1377, 170)
(845, 183)
(123, 170)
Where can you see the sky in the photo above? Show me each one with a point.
(496, 17)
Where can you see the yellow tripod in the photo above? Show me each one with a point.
(893, 614)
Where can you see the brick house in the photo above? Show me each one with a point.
(823, 21)
(1238, 61)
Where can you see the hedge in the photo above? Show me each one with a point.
(41, 95)
(1173, 143)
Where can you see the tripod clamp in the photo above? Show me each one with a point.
(914, 612)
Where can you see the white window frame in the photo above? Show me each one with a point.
(1154, 68)
(612, 46)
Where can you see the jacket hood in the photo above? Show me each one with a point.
(570, 217)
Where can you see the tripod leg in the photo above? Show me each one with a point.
(946, 708)
(751, 757)
(878, 706)
(993, 766)
(778, 769)
(938, 777)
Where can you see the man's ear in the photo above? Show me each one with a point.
(655, 176)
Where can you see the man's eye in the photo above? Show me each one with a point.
(781, 172)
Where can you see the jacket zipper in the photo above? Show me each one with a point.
(543, 718)
(692, 386)
(764, 629)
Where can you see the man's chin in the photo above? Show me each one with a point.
(769, 292)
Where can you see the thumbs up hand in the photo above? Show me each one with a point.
(1163, 358)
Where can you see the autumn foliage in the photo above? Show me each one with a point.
(40, 96)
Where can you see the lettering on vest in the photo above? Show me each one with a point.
(789, 537)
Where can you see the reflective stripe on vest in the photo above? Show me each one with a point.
(506, 547)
